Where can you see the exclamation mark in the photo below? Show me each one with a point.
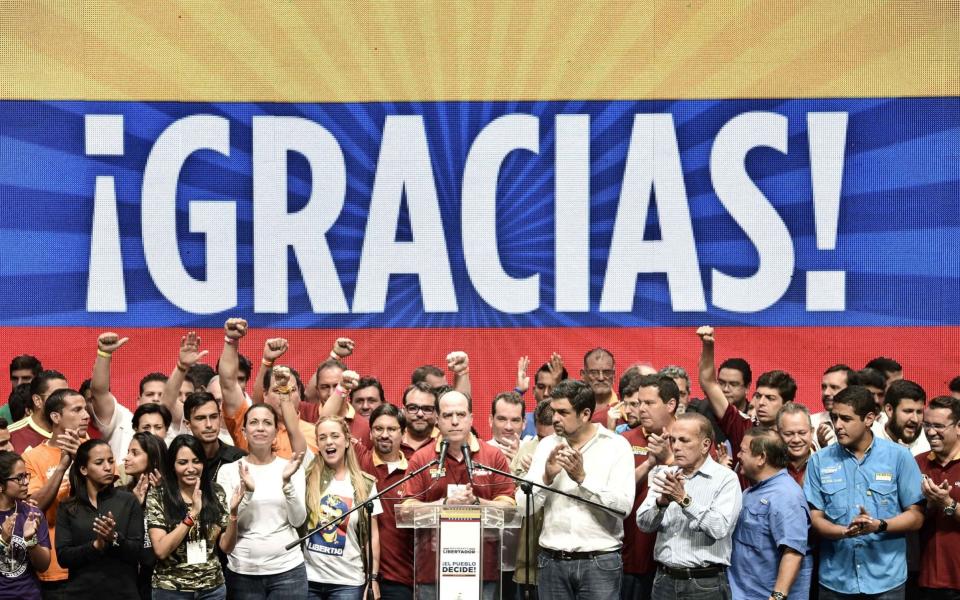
(826, 290)
(105, 286)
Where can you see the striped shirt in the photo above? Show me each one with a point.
(701, 534)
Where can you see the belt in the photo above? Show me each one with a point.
(693, 572)
(564, 555)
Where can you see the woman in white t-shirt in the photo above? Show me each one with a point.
(336, 556)
(272, 508)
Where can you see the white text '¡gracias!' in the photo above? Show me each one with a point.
(404, 171)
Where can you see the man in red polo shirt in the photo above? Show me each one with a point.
(774, 389)
(650, 403)
(940, 536)
(450, 483)
(388, 463)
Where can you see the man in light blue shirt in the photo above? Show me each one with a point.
(770, 552)
(864, 495)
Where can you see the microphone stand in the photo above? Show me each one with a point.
(527, 486)
(367, 504)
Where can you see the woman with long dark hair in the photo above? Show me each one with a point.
(24, 537)
(99, 528)
(336, 555)
(144, 466)
(188, 517)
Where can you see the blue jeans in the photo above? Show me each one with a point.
(217, 593)
(596, 578)
(637, 587)
(702, 588)
(289, 585)
(331, 591)
(896, 593)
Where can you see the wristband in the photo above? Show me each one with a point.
(230, 340)
(234, 517)
(519, 391)
(31, 542)
(267, 363)
(181, 367)
(188, 520)
(103, 354)
(334, 355)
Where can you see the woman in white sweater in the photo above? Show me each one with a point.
(272, 508)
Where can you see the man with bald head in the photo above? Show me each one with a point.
(693, 515)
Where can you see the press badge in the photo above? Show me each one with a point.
(197, 552)
(884, 477)
(454, 488)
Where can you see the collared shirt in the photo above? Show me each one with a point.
(940, 536)
(225, 455)
(798, 473)
(886, 482)
(573, 526)
(433, 483)
(25, 434)
(774, 516)
(637, 545)
(702, 533)
(917, 447)
(735, 425)
(397, 559)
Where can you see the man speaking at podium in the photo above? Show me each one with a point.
(580, 544)
(459, 479)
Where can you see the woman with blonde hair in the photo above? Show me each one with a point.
(336, 555)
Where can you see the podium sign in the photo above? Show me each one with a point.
(461, 554)
(456, 553)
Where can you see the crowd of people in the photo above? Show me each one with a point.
(234, 482)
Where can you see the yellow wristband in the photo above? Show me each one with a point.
(103, 354)
(266, 363)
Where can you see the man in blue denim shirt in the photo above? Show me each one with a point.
(864, 495)
(770, 552)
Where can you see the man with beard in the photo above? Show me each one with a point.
(693, 515)
(834, 379)
(650, 402)
(940, 536)
(796, 431)
(770, 556)
(864, 494)
(388, 463)
(903, 405)
(580, 545)
(599, 372)
(419, 405)
(774, 388)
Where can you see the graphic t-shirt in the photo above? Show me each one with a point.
(333, 554)
(17, 577)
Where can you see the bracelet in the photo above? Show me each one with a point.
(266, 363)
(234, 517)
(31, 542)
(188, 520)
(103, 354)
(334, 355)
(181, 367)
(230, 340)
(519, 391)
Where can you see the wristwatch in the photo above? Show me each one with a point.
(685, 502)
(882, 526)
(950, 510)
(778, 596)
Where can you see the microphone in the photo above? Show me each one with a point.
(444, 444)
(466, 457)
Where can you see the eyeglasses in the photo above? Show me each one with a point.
(598, 373)
(937, 427)
(424, 408)
(21, 479)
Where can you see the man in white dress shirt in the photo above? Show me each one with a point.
(580, 544)
(694, 516)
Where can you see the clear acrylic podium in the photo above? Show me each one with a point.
(456, 551)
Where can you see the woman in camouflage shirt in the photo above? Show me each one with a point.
(187, 517)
